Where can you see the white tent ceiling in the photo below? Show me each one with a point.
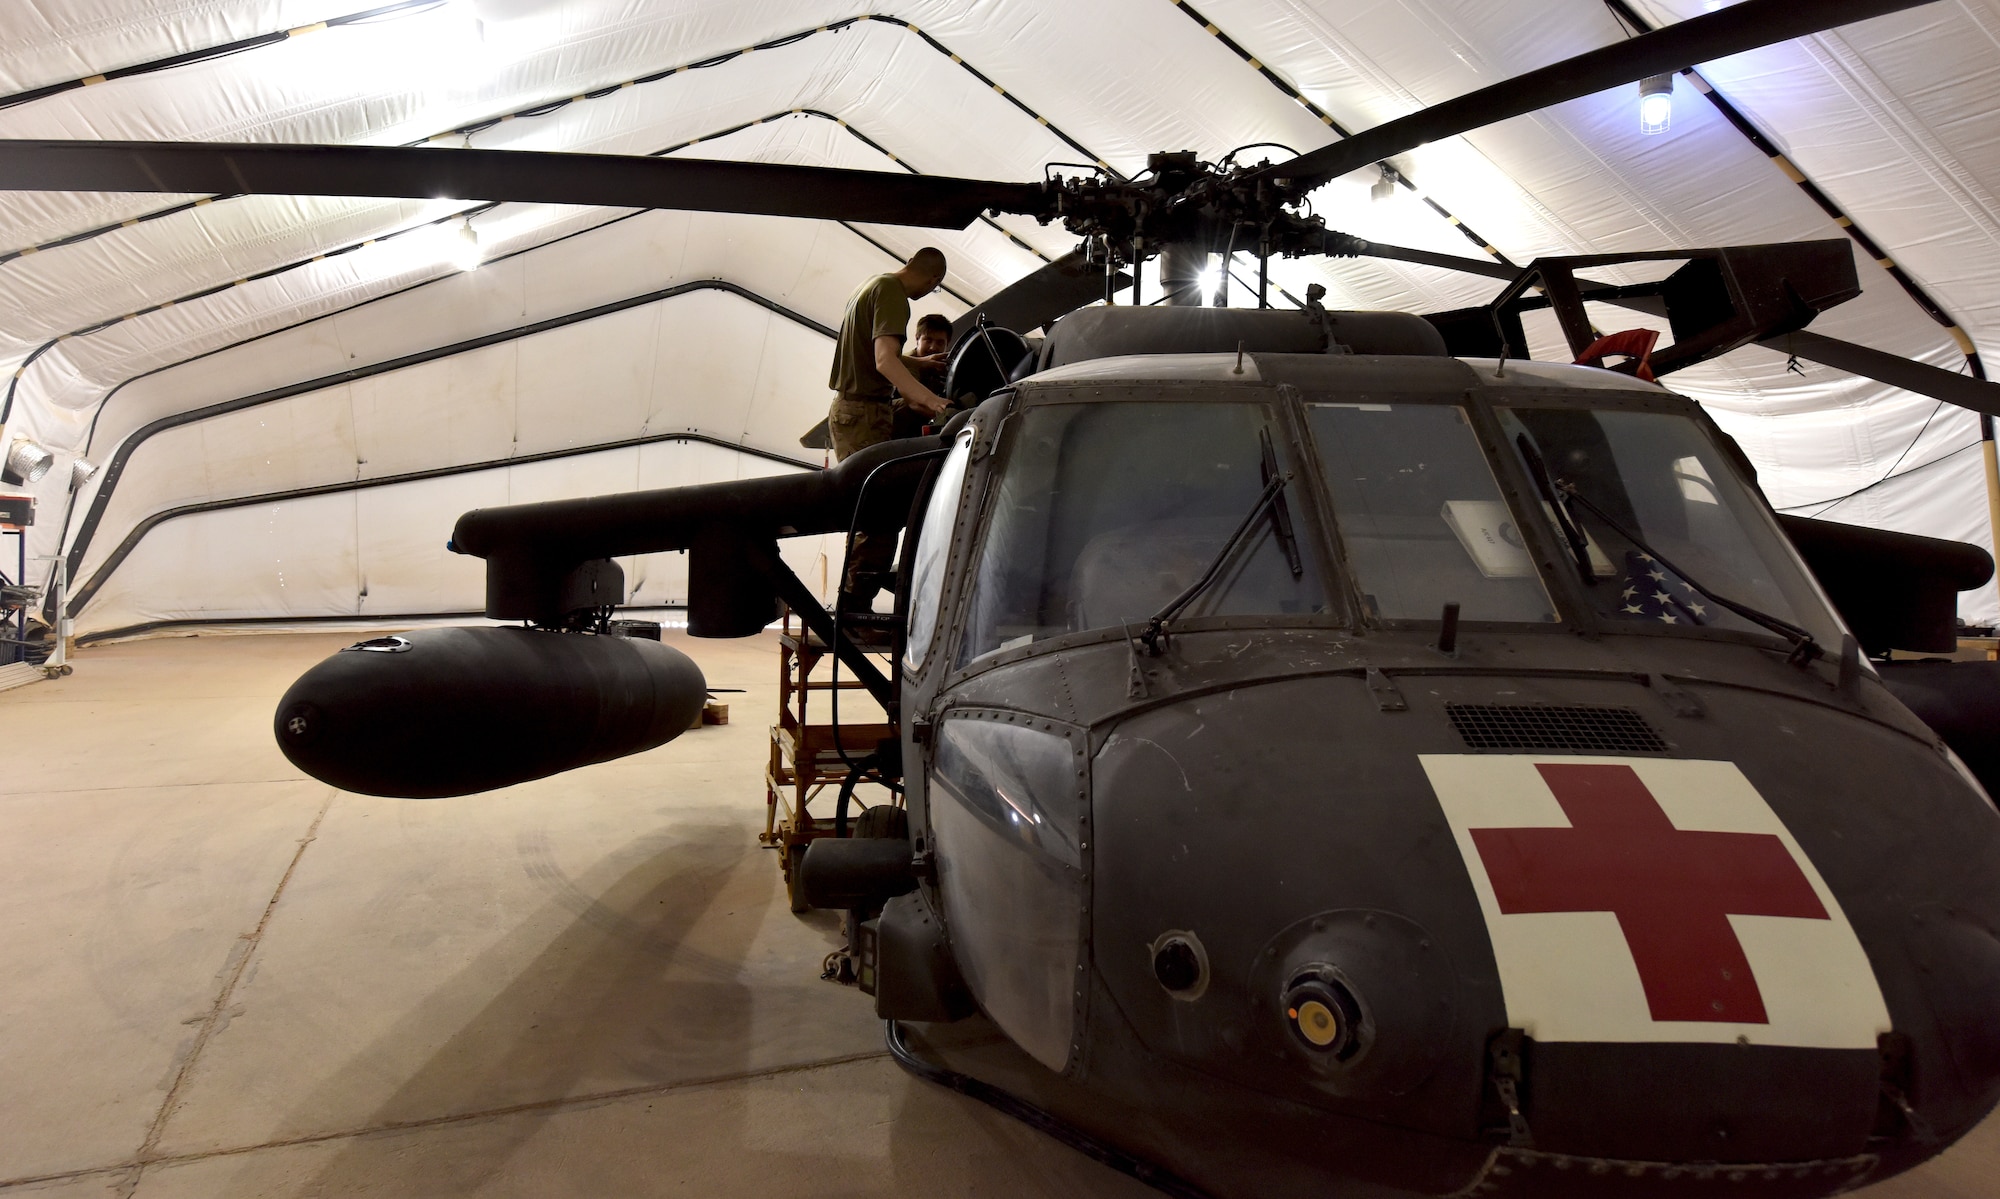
(298, 396)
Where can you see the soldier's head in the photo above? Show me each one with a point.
(923, 272)
(933, 334)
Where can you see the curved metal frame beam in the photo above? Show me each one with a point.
(209, 53)
(131, 540)
(116, 467)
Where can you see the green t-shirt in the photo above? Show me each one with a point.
(878, 309)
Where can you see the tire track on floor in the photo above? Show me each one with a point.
(559, 1103)
(246, 950)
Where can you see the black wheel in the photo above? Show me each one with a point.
(883, 820)
(794, 892)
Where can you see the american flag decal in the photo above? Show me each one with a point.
(1652, 592)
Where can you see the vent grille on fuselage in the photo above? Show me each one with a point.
(1554, 728)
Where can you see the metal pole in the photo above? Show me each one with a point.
(63, 622)
(1138, 268)
(1992, 461)
(59, 593)
(1263, 270)
(1181, 264)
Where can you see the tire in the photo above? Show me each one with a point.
(883, 820)
(794, 892)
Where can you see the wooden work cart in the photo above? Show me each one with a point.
(806, 759)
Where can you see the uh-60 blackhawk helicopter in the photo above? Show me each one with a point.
(1341, 755)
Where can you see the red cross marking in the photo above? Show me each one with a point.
(1672, 890)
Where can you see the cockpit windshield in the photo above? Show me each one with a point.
(1659, 478)
(1421, 520)
(1107, 511)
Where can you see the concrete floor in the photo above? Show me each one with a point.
(224, 979)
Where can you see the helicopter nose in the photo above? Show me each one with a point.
(1940, 1074)
(1349, 962)
(1249, 918)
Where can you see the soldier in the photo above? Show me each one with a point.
(933, 339)
(932, 342)
(869, 369)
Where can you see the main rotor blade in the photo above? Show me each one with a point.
(1732, 30)
(1963, 390)
(1497, 270)
(1450, 262)
(424, 172)
(1039, 297)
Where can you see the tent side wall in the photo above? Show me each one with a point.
(298, 500)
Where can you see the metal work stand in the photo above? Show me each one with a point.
(18, 671)
(805, 757)
(17, 643)
(58, 592)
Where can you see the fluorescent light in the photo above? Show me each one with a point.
(1656, 103)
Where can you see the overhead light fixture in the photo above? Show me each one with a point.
(26, 462)
(465, 252)
(1656, 103)
(81, 471)
(1383, 188)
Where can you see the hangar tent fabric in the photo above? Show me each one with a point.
(292, 399)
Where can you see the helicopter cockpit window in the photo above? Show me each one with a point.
(1660, 477)
(933, 543)
(1107, 511)
(1420, 516)
(1004, 812)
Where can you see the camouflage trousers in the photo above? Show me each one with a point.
(855, 423)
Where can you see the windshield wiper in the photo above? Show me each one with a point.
(1804, 647)
(1281, 512)
(1156, 627)
(1538, 470)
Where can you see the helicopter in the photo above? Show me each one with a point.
(1339, 752)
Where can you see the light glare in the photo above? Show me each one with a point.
(1210, 279)
(465, 252)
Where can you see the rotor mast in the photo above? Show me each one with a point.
(1181, 266)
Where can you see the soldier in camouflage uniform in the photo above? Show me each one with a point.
(869, 371)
